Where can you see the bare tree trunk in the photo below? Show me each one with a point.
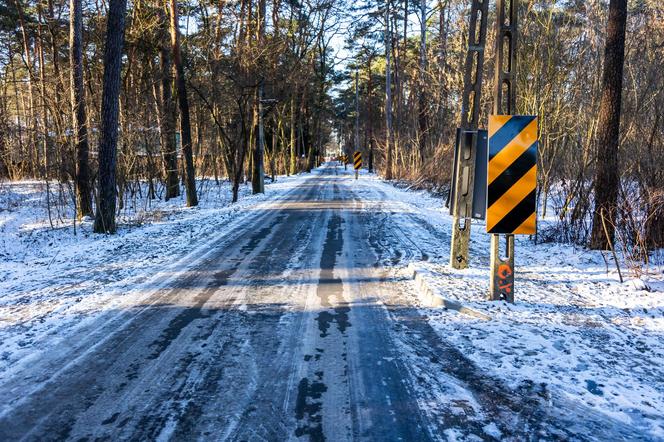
(58, 113)
(241, 152)
(44, 117)
(105, 217)
(441, 104)
(389, 141)
(32, 128)
(78, 111)
(422, 111)
(185, 124)
(167, 113)
(19, 126)
(607, 178)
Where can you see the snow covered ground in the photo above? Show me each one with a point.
(55, 279)
(574, 331)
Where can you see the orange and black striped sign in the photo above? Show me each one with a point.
(357, 160)
(512, 175)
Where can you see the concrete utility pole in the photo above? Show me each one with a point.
(357, 113)
(504, 103)
(258, 172)
(470, 109)
(258, 176)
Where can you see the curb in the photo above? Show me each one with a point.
(432, 299)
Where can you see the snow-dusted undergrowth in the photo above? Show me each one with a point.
(55, 279)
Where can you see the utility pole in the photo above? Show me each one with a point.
(258, 172)
(357, 113)
(258, 175)
(357, 119)
(504, 103)
(369, 118)
(470, 108)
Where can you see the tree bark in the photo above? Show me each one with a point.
(185, 124)
(31, 116)
(78, 111)
(258, 173)
(422, 111)
(389, 139)
(44, 117)
(167, 111)
(106, 200)
(240, 153)
(607, 178)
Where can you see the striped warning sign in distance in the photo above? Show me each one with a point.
(357, 160)
(512, 175)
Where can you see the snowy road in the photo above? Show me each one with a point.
(297, 323)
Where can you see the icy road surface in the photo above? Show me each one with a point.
(297, 322)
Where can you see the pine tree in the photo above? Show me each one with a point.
(106, 200)
(607, 177)
(79, 116)
(185, 125)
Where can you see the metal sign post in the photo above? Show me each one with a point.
(464, 172)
